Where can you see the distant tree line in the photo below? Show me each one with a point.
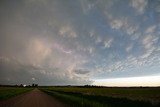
(20, 85)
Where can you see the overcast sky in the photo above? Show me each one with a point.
(61, 42)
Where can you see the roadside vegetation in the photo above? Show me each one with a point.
(106, 97)
(8, 92)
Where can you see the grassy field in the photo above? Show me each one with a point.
(106, 97)
(8, 92)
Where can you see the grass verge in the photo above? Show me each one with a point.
(79, 100)
(8, 92)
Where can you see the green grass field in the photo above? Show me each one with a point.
(8, 92)
(106, 97)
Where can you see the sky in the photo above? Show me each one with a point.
(78, 42)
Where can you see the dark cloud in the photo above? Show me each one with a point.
(81, 71)
(17, 73)
(72, 42)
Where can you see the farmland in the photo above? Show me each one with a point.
(75, 96)
(8, 92)
(106, 97)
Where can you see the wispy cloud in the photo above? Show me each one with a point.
(129, 47)
(139, 5)
(151, 29)
(67, 31)
(108, 43)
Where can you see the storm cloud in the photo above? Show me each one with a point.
(59, 42)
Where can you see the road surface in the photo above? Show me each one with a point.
(35, 98)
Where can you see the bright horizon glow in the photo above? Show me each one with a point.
(130, 81)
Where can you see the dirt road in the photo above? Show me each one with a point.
(35, 98)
